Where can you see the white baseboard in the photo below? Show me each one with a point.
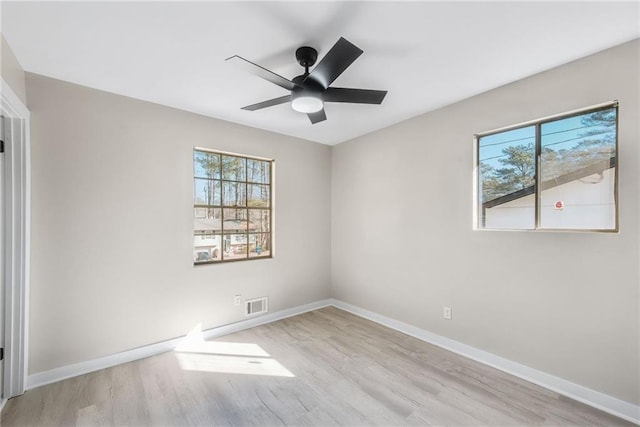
(2, 403)
(69, 371)
(580, 393)
(577, 392)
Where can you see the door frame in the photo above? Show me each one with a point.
(17, 242)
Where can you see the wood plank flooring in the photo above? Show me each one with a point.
(322, 368)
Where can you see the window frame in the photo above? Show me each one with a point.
(247, 234)
(478, 215)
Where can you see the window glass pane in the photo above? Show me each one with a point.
(234, 168)
(258, 195)
(578, 163)
(232, 197)
(206, 248)
(206, 192)
(235, 246)
(259, 245)
(506, 180)
(258, 171)
(234, 194)
(206, 165)
(207, 220)
(259, 220)
(235, 220)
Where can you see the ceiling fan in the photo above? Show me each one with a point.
(309, 91)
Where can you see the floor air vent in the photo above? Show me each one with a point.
(257, 306)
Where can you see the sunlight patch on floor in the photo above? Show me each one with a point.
(232, 364)
(196, 354)
(228, 348)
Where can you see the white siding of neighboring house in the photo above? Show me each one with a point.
(586, 206)
(518, 214)
(206, 241)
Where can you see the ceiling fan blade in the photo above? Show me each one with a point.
(338, 59)
(269, 103)
(358, 96)
(316, 117)
(262, 72)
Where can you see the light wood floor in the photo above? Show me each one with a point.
(343, 370)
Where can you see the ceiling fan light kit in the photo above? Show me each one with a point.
(305, 103)
(306, 98)
(309, 91)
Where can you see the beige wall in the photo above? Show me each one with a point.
(403, 245)
(11, 71)
(112, 222)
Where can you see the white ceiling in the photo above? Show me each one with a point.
(426, 54)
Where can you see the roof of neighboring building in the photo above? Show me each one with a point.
(214, 224)
(595, 168)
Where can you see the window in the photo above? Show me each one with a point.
(232, 207)
(553, 174)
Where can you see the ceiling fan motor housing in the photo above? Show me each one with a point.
(306, 56)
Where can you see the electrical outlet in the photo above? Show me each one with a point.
(446, 313)
(237, 300)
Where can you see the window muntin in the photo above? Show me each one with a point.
(577, 169)
(232, 207)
